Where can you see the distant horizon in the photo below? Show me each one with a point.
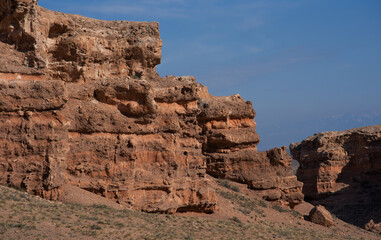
(308, 66)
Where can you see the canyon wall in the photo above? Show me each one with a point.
(81, 104)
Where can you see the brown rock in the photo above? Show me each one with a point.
(321, 216)
(73, 48)
(373, 227)
(81, 104)
(24, 95)
(230, 145)
(33, 147)
(331, 161)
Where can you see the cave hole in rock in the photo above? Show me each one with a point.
(57, 29)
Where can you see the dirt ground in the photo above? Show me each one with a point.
(241, 215)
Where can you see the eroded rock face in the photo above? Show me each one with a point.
(82, 104)
(73, 48)
(230, 146)
(342, 171)
(331, 161)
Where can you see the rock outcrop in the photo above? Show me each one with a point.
(330, 161)
(81, 104)
(342, 171)
(373, 227)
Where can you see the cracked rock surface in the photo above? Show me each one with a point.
(81, 104)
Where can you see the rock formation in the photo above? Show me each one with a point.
(329, 160)
(342, 171)
(81, 104)
(373, 227)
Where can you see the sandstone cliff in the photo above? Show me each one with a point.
(329, 159)
(343, 171)
(81, 104)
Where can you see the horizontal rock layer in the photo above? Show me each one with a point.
(342, 171)
(81, 104)
(330, 161)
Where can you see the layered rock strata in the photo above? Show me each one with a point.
(230, 147)
(331, 161)
(81, 104)
(342, 171)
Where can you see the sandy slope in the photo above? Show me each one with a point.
(241, 216)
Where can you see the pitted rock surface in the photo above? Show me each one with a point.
(81, 104)
(329, 161)
(342, 171)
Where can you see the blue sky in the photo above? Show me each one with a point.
(307, 65)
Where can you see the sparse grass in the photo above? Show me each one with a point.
(226, 183)
(286, 210)
(246, 205)
(295, 213)
(27, 217)
(279, 208)
(235, 219)
(262, 203)
(95, 227)
(100, 206)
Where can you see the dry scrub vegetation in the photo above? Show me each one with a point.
(23, 216)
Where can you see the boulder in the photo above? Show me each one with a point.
(321, 216)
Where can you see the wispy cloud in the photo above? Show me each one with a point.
(142, 9)
(253, 49)
(257, 13)
(250, 22)
(237, 75)
(249, 14)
